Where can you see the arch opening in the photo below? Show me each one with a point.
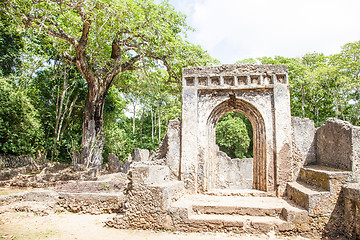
(234, 155)
(259, 169)
(234, 135)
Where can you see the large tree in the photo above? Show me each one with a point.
(104, 39)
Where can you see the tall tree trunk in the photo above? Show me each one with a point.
(134, 116)
(303, 100)
(152, 124)
(141, 125)
(159, 125)
(93, 138)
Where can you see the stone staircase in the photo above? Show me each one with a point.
(236, 213)
(317, 188)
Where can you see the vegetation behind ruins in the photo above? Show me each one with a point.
(43, 96)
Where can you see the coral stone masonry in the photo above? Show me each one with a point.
(261, 93)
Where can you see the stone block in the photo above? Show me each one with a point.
(113, 163)
(150, 174)
(140, 155)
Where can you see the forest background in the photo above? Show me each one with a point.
(43, 94)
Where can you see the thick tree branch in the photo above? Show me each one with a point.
(129, 65)
(116, 51)
(40, 21)
(85, 34)
(69, 58)
(118, 68)
(169, 69)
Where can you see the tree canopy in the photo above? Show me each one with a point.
(323, 86)
(106, 38)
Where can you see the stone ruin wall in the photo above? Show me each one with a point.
(335, 144)
(338, 145)
(261, 93)
(233, 173)
(303, 143)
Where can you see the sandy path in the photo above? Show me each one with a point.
(90, 227)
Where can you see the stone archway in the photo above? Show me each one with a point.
(259, 136)
(261, 93)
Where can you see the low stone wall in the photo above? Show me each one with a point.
(233, 173)
(93, 203)
(149, 194)
(338, 145)
(16, 161)
(82, 202)
(147, 206)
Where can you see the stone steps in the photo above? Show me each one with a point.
(239, 192)
(317, 188)
(240, 223)
(236, 213)
(325, 177)
(305, 195)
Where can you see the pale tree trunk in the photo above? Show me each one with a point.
(134, 116)
(93, 138)
(152, 124)
(141, 125)
(303, 100)
(159, 125)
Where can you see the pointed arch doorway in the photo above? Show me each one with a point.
(259, 140)
(261, 93)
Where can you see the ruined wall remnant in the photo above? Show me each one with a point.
(16, 161)
(338, 145)
(169, 149)
(261, 93)
(233, 173)
(304, 152)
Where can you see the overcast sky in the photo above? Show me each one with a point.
(232, 30)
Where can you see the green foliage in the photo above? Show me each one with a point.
(10, 46)
(232, 136)
(20, 128)
(144, 96)
(137, 27)
(116, 141)
(324, 86)
(248, 61)
(58, 93)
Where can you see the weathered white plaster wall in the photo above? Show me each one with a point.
(261, 93)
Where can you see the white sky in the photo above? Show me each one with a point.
(232, 30)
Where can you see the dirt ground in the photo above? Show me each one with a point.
(22, 225)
